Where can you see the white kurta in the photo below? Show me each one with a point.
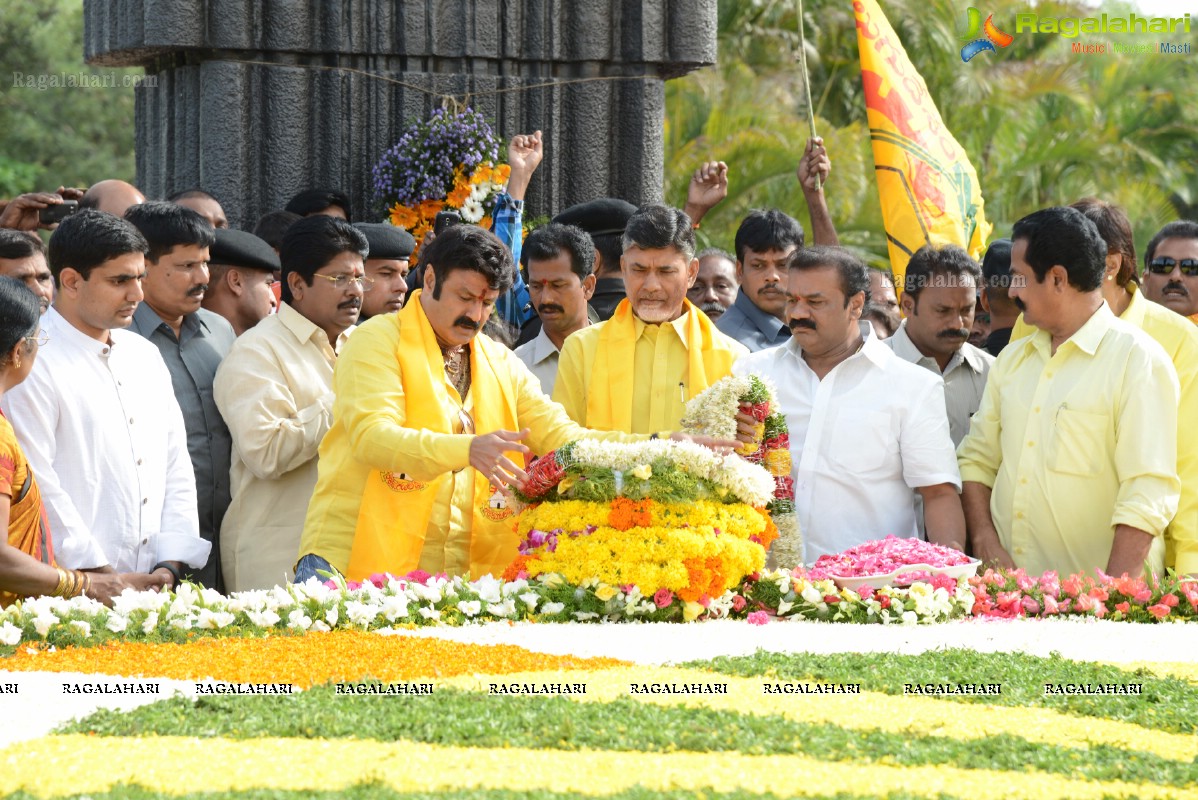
(861, 440)
(105, 438)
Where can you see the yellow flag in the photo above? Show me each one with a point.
(929, 190)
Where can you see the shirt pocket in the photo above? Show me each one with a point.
(863, 441)
(1078, 442)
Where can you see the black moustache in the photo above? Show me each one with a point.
(1175, 287)
(1019, 304)
(954, 333)
(795, 324)
(351, 304)
(198, 290)
(466, 322)
(550, 307)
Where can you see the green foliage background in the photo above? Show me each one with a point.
(1042, 126)
(63, 136)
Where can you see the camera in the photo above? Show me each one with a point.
(57, 212)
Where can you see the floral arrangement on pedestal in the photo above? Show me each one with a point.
(673, 520)
(449, 162)
(713, 412)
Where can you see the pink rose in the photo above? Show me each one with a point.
(663, 597)
(758, 618)
(1123, 608)
(1169, 600)
(1160, 611)
(738, 603)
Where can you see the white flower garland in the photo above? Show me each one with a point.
(749, 483)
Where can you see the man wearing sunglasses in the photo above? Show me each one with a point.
(1171, 268)
(275, 390)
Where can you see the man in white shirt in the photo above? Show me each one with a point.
(98, 416)
(867, 429)
(939, 297)
(275, 391)
(561, 279)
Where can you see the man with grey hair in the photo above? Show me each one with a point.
(635, 372)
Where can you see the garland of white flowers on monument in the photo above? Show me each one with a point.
(713, 413)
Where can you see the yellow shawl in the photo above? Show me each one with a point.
(394, 515)
(609, 401)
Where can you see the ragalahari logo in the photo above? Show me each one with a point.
(976, 42)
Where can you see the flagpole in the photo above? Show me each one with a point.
(806, 82)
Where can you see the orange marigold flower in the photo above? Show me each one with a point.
(518, 565)
(302, 661)
(402, 216)
(627, 513)
(459, 194)
(502, 173)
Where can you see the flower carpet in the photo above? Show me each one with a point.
(719, 709)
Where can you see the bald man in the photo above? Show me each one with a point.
(112, 196)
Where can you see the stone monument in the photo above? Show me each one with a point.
(255, 101)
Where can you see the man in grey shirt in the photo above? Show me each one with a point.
(939, 297)
(192, 341)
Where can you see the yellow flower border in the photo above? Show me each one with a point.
(61, 765)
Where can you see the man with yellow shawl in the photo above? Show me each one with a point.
(431, 423)
(635, 372)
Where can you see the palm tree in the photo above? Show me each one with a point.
(1041, 125)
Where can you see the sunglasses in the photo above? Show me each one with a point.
(1165, 265)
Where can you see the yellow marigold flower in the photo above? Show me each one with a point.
(501, 173)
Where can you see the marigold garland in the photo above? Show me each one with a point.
(697, 550)
(302, 661)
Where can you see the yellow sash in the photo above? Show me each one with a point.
(609, 401)
(395, 512)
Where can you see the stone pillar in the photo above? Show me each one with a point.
(246, 107)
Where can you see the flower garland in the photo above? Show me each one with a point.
(713, 413)
(447, 162)
(661, 470)
(695, 550)
(302, 661)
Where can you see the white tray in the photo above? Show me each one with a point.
(958, 571)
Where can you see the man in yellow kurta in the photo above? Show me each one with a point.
(431, 422)
(1070, 462)
(1179, 338)
(635, 372)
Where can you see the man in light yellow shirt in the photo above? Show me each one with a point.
(1070, 463)
(635, 372)
(274, 389)
(1178, 337)
(431, 426)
